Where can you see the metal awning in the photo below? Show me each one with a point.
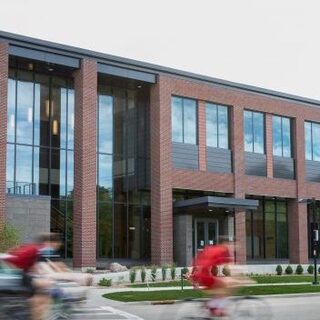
(218, 202)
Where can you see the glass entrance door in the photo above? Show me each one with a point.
(206, 233)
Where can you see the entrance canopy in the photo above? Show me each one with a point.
(217, 202)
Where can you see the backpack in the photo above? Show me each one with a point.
(24, 256)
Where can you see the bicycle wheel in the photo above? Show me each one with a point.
(250, 308)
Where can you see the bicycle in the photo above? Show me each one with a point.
(238, 308)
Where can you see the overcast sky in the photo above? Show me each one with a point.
(273, 44)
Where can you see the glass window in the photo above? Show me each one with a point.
(105, 233)
(308, 140)
(135, 232)
(281, 137)
(70, 173)
(10, 168)
(11, 110)
(105, 124)
(189, 121)
(312, 140)
(184, 120)
(105, 177)
(70, 118)
(120, 231)
(24, 170)
(25, 108)
(63, 118)
(177, 120)
(217, 126)
(253, 131)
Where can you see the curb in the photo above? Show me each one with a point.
(167, 302)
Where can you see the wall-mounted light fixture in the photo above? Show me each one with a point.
(55, 127)
(47, 106)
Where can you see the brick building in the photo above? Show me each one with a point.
(129, 160)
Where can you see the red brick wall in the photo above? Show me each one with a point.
(269, 148)
(238, 183)
(161, 188)
(202, 136)
(3, 127)
(84, 216)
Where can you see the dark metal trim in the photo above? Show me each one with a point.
(219, 202)
(70, 51)
(44, 56)
(126, 73)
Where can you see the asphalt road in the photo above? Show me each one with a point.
(284, 308)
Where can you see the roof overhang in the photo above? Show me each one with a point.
(218, 202)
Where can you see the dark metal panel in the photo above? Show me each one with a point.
(44, 56)
(126, 73)
(283, 167)
(256, 164)
(185, 156)
(219, 160)
(219, 202)
(312, 171)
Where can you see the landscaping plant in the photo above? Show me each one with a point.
(153, 273)
(9, 237)
(105, 282)
(279, 270)
(173, 272)
(310, 269)
(289, 270)
(132, 275)
(164, 273)
(143, 274)
(226, 271)
(299, 269)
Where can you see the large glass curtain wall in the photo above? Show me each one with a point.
(40, 143)
(123, 178)
(267, 231)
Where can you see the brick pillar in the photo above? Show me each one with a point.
(202, 136)
(4, 65)
(84, 216)
(269, 148)
(161, 163)
(297, 212)
(239, 188)
(298, 232)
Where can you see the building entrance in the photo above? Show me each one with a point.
(206, 233)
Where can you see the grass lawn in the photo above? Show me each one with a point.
(258, 279)
(193, 294)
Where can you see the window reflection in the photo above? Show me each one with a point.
(10, 168)
(312, 140)
(23, 170)
(253, 132)
(281, 136)
(184, 120)
(217, 126)
(105, 124)
(11, 110)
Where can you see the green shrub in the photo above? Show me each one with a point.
(173, 272)
(289, 270)
(310, 269)
(143, 274)
(132, 275)
(9, 237)
(215, 270)
(153, 273)
(299, 269)
(184, 271)
(279, 270)
(226, 271)
(89, 270)
(164, 273)
(105, 282)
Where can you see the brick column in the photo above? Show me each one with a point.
(298, 232)
(239, 187)
(202, 136)
(269, 148)
(84, 216)
(4, 65)
(297, 212)
(161, 163)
